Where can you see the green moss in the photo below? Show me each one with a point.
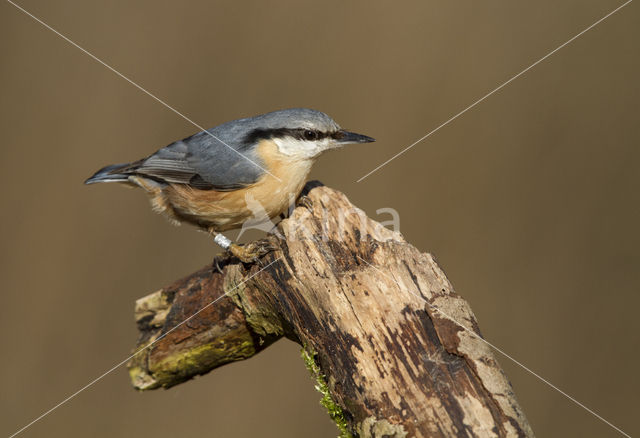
(185, 364)
(335, 411)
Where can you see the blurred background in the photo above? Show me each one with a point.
(529, 200)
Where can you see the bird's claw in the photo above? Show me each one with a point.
(220, 261)
(305, 201)
(252, 251)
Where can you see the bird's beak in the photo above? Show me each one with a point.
(346, 137)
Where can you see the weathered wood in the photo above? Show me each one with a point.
(379, 322)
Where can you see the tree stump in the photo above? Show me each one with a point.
(396, 352)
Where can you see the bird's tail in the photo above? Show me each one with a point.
(112, 173)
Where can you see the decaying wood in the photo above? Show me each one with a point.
(398, 349)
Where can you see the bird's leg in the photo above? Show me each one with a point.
(222, 259)
(245, 253)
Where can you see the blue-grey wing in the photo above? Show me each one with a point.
(205, 162)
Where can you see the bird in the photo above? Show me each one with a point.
(211, 178)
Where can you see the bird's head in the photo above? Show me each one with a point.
(301, 133)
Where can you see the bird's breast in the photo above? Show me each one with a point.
(279, 188)
(270, 196)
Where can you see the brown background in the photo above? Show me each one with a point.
(530, 200)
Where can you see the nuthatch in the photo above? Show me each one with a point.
(206, 179)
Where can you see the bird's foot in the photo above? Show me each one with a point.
(304, 201)
(220, 261)
(251, 251)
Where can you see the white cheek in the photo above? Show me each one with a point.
(301, 148)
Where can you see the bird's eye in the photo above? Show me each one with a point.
(310, 135)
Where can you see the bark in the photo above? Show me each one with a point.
(397, 353)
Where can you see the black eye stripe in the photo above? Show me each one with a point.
(300, 134)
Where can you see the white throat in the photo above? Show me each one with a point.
(302, 149)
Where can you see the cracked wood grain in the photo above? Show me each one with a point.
(370, 306)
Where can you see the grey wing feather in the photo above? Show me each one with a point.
(204, 162)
